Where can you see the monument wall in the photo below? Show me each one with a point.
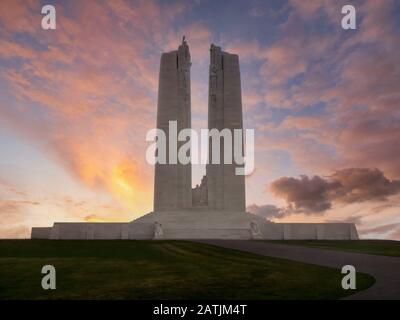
(41, 233)
(173, 182)
(183, 225)
(226, 190)
(309, 231)
(95, 231)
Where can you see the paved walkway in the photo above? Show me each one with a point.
(386, 270)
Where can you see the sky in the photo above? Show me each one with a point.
(76, 104)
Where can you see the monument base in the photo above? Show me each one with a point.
(198, 223)
(202, 223)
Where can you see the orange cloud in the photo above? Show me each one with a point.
(86, 93)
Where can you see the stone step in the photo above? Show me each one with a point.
(200, 220)
(209, 233)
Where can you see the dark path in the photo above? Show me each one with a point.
(386, 270)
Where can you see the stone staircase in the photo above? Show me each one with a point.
(207, 233)
(201, 223)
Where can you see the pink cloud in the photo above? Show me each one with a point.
(92, 89)
(354, 74)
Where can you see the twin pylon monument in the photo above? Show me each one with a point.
(223, 189)
(216, 209)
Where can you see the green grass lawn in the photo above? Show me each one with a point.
(160, 270)
(378, 247)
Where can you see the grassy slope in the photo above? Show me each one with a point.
(159, 270)
(378, 247)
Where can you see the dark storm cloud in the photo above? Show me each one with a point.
(304, 193)
(350, 185)
(363, 184)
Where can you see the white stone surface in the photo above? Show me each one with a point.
(94, 231)
(226, 190)
(40, 233)
(200, 223)
(173, 182)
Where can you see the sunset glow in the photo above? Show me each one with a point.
(76, 104)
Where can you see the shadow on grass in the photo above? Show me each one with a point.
(160, 270)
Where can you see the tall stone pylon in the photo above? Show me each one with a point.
(173, 182)
(226, 190)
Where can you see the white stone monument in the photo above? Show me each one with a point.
(216, 208)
